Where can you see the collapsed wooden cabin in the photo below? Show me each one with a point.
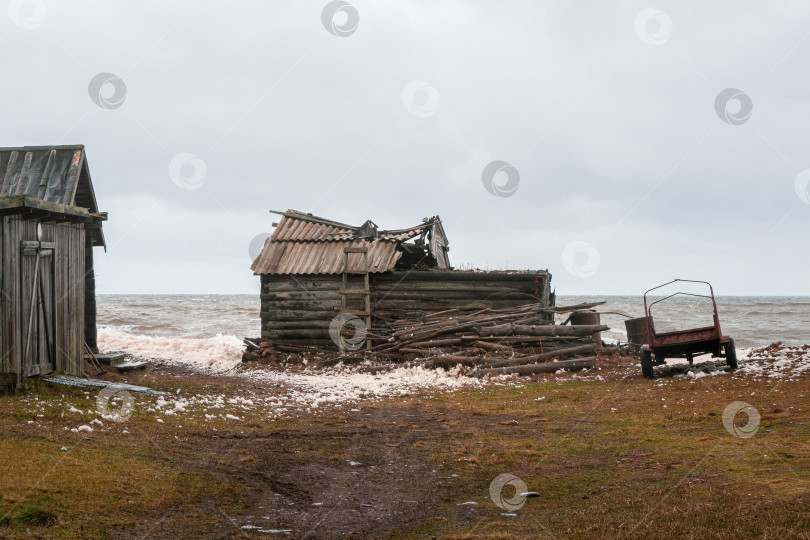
(49, 224)
(313, 269)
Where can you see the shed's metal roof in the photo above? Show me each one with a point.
(322, 257)
(297, 226)
(57, 174)
(307, 244)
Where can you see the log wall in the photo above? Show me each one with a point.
(16, 279)
(297, 310)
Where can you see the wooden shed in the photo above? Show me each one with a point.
(313, 268)
(49, 224)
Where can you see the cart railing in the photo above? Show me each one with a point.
(710, 296)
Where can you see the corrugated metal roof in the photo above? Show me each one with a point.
(57, 174)
(306, 244)
(298, 229)
(322, 257)
(296, 226)
(50, 173)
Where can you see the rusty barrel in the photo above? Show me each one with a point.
(638, 331)
(590, 318)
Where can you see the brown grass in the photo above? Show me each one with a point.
(608, 459)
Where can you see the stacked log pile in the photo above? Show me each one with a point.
(521, 340)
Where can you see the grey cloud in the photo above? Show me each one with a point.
(606, 131)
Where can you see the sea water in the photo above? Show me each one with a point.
(208, 329)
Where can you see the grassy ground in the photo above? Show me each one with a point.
(618, 458)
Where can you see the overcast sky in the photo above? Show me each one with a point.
(636, 141)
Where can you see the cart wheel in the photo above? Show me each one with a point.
(731, 354)
(646, 363)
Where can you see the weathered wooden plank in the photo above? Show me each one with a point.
(547, 367)
(514, 297)
(332, 294)
(17, 202)
(429, 275)
(293, 315)
(543, 330)
(534, 358)
(305, 325)
(325, 305)
(461, 286)
(294, 334)
(428, 305)
(90, 330)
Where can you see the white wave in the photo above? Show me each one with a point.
(215, 354)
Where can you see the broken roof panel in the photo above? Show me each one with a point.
(323, 257)
(306, 244)
(303, 230)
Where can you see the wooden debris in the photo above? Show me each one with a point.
(518, 339)
(545, 367)
(534, 358)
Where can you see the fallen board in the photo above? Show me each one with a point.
(547, 367)
(130, 366)
(95, 383)
(110, 359)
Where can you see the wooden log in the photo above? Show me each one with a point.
(322, 304)
(515, 340)
(448, 360)
(457, 293)
(388, 367)
(420, 303)
(534, 358)
(296, 325)
(298, 348)
(291, 315)
(493, 346)
(437, 342)
(414, 350)
(442, 313)
(274, 295)
(547, 367)
(542, 330)
(575, 307)
(453, 326)
(418, 276)
(287, 334)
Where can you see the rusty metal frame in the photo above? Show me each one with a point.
(709, 339)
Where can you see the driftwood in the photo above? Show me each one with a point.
(541, 330)
(491, 346)
(389, 367)
(491, 338)
(534, 358)
(547, 367)
(437, 342)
